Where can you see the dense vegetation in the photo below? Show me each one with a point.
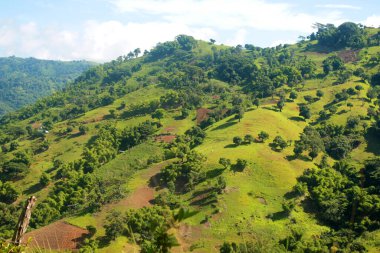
(23, 81)
(283, 138)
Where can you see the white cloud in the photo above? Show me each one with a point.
(339, 6)
(229, 22)
(97, 41)
(373, 21)
(226, 14)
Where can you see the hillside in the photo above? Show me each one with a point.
(23, 81)
(206, 148)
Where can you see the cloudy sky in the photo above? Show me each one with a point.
(101, 30)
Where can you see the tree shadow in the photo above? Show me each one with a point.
(231, 146)
(178, 117)
(300, 157)
(373, 142)
(209, 199)
(200, 193)
(272, 108)
(33, 189)
(278, 216)
(225, 125)
(214, 173)
(154, 181)
(296, 118)
(72, 136)
(341, 112)
(104, 241)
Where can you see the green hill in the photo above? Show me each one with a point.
(23, 81)
(207, 148)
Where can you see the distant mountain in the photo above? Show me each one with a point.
(23, 81)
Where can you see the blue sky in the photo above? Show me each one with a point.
(101, 30)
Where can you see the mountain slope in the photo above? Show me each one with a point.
(89, 152)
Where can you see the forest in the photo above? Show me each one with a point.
(23, 81)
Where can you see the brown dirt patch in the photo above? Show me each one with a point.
(349, 55)
(202, 114)
(262, 201)
(97, 119)
(165, 138)
(36, 125)
(169, 129)
(139, 198)
(56, 236)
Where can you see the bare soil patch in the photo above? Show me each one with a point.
(97, 119)
(202, 114)
(262, 201)
(59, 235)
(139, 198)
(349, 55)
(36, 125)
(165, 138)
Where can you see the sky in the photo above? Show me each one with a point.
(102, 30)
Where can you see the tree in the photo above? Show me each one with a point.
(83, 129)
(352, 122)
(212, 41)
(256, 102)
(320, 94)
(305, 112)
(333, 109)
(248, 138)
(239, 112)
(185, 113)
(313, 153)
(114, 226)
(371, 94)
(158, 114)
(324, 162)
(225, 162)
(263, 136)
(308, 98)
(350, 105)
(281, 104)
(279, 143)
(136, 52)
(293, 95)
(240, 165)
(237, 140)
(8, 193)
(44, 179)
(323, 115)
(112, 113)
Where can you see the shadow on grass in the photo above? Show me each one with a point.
(104, 241)
(214, 173)
(296, 118)
(373, 142)
(231, 145)
(294, 157)
(225, 125)
(341, 112)
(278, 216)
(72, 136)
(201, 192)
(33, 189)
(204, 201)
(272, 108)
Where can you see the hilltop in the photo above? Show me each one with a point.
(207, 148)
(23, 81)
